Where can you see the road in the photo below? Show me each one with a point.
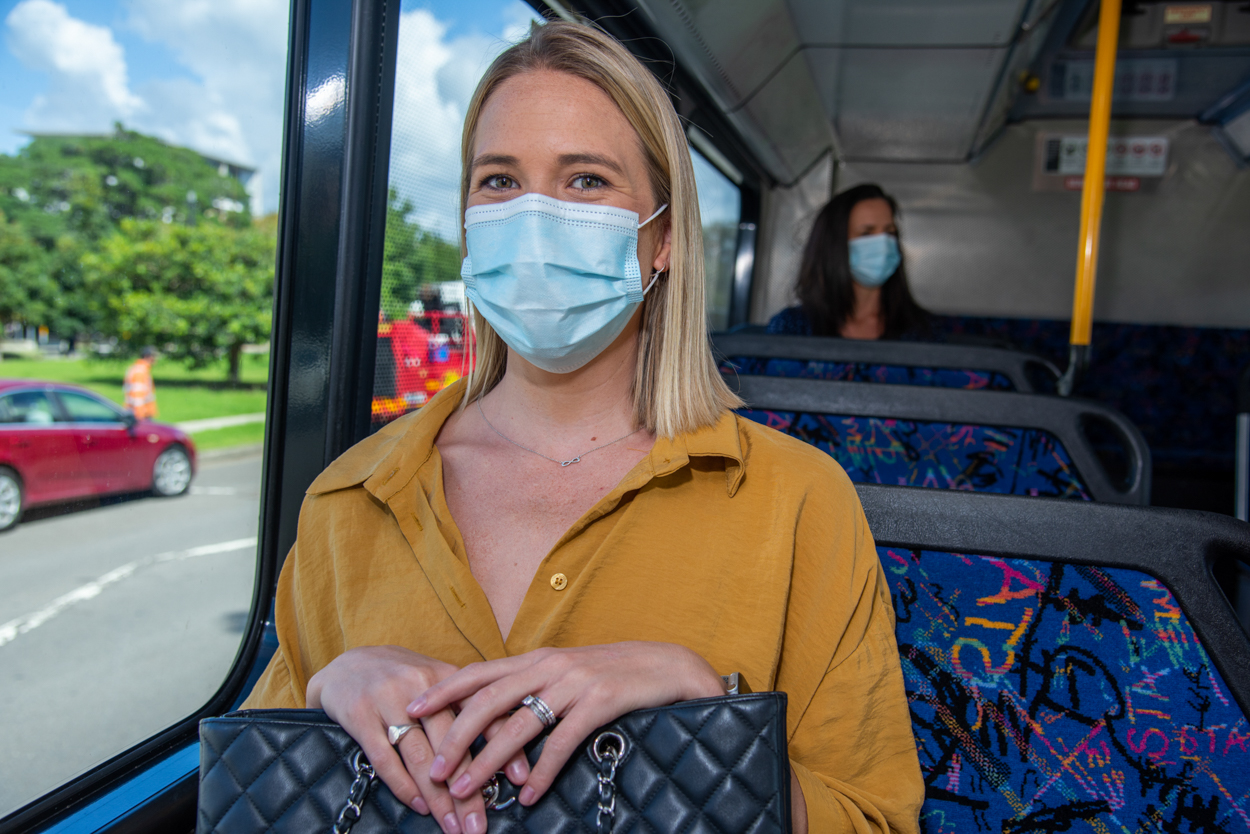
(117, 621)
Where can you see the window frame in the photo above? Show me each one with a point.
(60, 395)
(330, 234)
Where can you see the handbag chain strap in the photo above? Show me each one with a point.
(608, 748)
(356, 794)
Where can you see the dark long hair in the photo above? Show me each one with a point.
(824, 286)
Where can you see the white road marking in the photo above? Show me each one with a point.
(199, 490)
(13, 628)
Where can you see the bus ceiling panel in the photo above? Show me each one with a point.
(732, 46)
(746, 57)
(908, 22)
(905, 104)
(788, 121)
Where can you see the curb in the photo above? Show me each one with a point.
(212, 423)
(231, 453)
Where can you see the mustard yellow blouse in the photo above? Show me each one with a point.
(745, 545)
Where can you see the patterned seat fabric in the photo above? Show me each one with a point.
(867, 372)
(1053, 697)
(939, 455)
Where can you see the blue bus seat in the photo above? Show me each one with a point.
(1177, 384)
(983, 441)
(894, 363)
(1069, 666)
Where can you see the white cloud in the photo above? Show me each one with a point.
(89, 87)
(237, 49)
(435, 79)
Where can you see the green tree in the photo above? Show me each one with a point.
(196, 292)
(412, 257)
(26, 290)
(68, 192)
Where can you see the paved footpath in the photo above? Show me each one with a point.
(117, 621)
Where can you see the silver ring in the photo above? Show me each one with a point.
(397, 731)
(539, 707)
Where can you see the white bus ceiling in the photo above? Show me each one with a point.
(929, 99)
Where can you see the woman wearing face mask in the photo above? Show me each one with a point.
(852, 282)
(583, 528)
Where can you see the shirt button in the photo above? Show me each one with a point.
(559, 581)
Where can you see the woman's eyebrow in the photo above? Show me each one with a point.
(590, 159)
(493, 159)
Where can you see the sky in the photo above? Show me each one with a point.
(210, 75)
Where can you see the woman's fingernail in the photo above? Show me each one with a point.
(417, 704)
(451, 825)
(516, 773)
(418, 805)
(461, 785)
(475, 823)
(436, 769)
(527, 795)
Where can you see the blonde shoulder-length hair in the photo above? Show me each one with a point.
(677, 387)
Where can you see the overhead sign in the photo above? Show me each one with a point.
(1134, 163)
(1187, 13)
(1140, 156)
(1136, 79)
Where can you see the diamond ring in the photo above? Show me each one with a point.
(539, 707)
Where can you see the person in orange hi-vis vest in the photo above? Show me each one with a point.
(140, 394)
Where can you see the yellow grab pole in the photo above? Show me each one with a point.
(1093, 191)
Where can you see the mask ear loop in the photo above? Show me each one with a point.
(653, 216)
(655, 276)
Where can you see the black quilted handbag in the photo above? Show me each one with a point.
(713, 765)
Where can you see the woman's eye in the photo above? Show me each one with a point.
(587, 182)
(499, 182)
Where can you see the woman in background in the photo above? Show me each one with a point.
(852, 282)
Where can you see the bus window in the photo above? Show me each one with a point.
(424, 334)
(140, 150)
(720, 208)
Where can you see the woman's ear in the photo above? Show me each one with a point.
(661, 261)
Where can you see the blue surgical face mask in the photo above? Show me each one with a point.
(557, 281)
(874, 258)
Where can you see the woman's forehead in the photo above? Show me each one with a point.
(549, 113)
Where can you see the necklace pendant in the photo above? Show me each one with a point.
(564, 463)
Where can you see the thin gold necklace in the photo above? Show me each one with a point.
(563, 463)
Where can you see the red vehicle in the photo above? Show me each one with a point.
(417, 358)
(60, 442)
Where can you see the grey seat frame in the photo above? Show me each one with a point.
(1061, 416)
(1011, 363)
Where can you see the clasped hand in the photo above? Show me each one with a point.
(368, 689)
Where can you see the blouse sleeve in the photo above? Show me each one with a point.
(851, 743)
(278, 687)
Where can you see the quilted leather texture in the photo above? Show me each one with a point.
(713, 766)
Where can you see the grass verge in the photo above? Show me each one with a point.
(246, 435)
(182, 393)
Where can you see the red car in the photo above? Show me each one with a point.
(60, 442)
